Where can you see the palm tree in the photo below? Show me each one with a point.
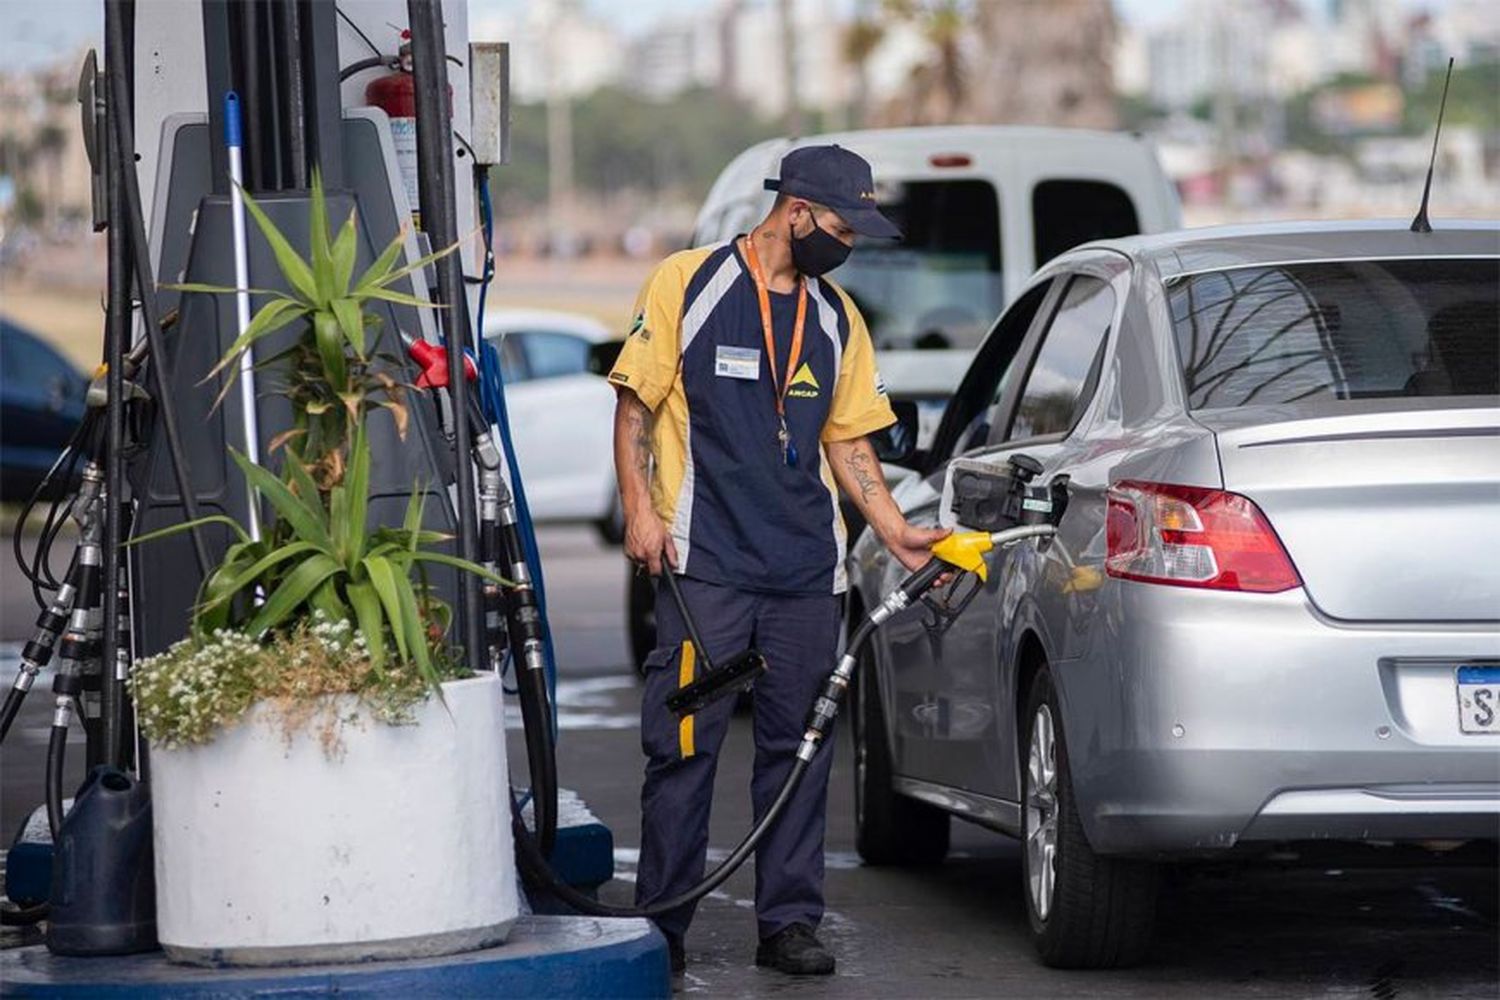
(1046, 63)
(861, 38)
(48, 145)
(937, 88)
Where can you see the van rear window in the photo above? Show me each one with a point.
(1067, 213)
(940, 285)
(1334, 330)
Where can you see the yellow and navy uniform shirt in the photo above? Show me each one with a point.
(739, 515)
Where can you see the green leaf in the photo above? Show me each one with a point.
(293, 267)
(308, 521)
(322, 266)
(294, 590)
(400, 298)
(272, 317)
(177, 529)
(463, 564)
(351, 322)
(383, 578)
(330, 343)
(416, 634)
(302, 481)
(212, 610)
(358, 480)
(371, 620)
(198, 286)
(251, 574)
(411, 521)
(344, 248)
(327, 600)
(382, 264)
(338, 520)
(401, 272)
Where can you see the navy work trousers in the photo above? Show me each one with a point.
(798, 635)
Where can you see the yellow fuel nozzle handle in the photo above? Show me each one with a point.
(966, 550)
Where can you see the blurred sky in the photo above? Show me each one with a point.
(37, 32)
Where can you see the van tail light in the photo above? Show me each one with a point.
(1189, 536)
(950, 159)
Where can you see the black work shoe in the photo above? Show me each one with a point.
(796, 951)
(677, 954)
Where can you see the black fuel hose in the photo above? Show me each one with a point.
(13, 699)
(535, 869)
(25, 916)
(57, 751)
(370, 63)
(541, 755)
(524, 624)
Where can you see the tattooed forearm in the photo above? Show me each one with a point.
(859, 462)
(633, 450)
(638, 424)
(858, 472)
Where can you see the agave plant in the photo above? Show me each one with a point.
(332, 374)
(323, 556)
(320, 554)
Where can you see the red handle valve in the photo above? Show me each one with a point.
(433, 360)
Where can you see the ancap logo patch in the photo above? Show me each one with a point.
(804, 377)
(639, 327)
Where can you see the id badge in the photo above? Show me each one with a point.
(737, 362)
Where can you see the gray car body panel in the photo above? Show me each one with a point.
(1198, 720)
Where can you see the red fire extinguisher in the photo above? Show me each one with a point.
(395, 93)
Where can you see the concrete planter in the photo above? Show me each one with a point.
(399, 847)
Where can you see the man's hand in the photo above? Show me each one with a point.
(912, 545)
(648, 543)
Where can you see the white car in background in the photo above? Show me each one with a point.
(561, 414)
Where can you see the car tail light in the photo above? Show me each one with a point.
(950, 159)
(1189, 536)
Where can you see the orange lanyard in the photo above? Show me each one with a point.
(764, 296)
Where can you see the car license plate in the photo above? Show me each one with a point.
(1479, 699)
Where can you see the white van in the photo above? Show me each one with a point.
(981, 207)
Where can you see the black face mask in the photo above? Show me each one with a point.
(818, 252)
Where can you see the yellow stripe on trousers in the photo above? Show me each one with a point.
(684, 678)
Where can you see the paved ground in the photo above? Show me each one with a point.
(959, 930)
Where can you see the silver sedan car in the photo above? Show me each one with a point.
(1271, 613)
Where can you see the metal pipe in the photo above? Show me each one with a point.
(117, 332)
(294, 96)
(250, 418)
(124, 132)
(439, 217)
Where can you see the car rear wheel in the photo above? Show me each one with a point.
(1086, 911)
(890, 828)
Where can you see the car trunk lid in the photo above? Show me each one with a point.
(1389, 509)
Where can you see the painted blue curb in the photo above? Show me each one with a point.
(584, 856)
(545, 956)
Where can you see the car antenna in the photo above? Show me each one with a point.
(1420, 223)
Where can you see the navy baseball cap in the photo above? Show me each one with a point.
(839, 179)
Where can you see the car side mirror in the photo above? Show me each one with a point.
(602, 356)
(897, 444)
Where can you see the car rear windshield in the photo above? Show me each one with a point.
(940, 284)
(1353, 329)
